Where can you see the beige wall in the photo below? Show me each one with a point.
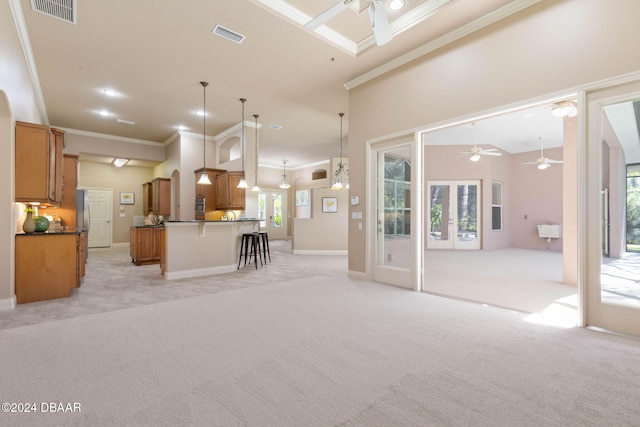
(124, 179)
(323, 232)
(550, 47)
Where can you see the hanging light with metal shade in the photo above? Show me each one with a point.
(284, 183)
(204, 177)
(243, 180)
(255, 181)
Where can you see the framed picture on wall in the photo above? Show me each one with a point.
(127, 198)
(302, 198)
(330, 204)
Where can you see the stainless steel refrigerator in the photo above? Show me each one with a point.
(83, 215)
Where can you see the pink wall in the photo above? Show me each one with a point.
(527, 191)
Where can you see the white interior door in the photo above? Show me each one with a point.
(100, 227)
(612, 291)
(272, 207)
(453, 215)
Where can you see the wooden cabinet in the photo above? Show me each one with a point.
(147, 197)
(67, 210)
(228, 195)
(206, 191)
(145, 244)
(38, 160)
(161, 196)
(46, 266)
(156, 197)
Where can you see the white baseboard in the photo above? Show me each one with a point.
(8, 303)
(319, 252)
(119, 245)
(360, 275)
(185, 274)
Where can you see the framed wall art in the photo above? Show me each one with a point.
(330, 204)
(127, 198)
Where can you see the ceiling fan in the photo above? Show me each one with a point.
(477, 152)
(542, 162)
(377, 15)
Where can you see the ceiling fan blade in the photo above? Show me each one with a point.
(327, 15)
(554, 161)
(490, 153)
(380, 23)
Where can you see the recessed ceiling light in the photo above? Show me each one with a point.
(275, 127)
(104, 113)
(200, 113)
(181, 127)
(396, 4)
(110, 92)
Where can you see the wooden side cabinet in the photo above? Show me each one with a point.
(39, 163)
(46, 266)
(161, 196)
(228, 195)
(145, 245)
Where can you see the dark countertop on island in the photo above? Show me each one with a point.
(51, 233)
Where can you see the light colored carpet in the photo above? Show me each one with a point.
(318, 351)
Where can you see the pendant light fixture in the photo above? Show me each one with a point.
(243, 181)
(204, 177)
(284, 184)
(337, 176)
(255, 181)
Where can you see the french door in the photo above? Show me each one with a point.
(272, 208)
(453, 215)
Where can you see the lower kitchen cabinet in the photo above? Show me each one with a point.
(47, 266)
(145, 244)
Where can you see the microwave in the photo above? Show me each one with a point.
(200, 206)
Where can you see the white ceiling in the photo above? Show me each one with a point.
(155, 53)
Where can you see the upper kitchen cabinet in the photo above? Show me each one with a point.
(38, 163)
(147, 198)
(161, 196)
(207, 191)
(67, 210)
(228, 195)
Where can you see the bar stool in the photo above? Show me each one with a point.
(264, 237)
(250, 247)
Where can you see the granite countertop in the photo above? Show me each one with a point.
(198, 221)
(50, 233)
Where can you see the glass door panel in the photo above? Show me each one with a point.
(613, 272)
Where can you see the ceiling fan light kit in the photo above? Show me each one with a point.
(564, 109)
(542, 162)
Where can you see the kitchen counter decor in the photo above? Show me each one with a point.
(29, 225)
(41, 223)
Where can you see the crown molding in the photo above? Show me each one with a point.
(111, 137)
(25, 42)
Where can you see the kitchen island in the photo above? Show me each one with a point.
(201, 248)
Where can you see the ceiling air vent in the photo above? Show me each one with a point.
(228, 34)
(61, 9)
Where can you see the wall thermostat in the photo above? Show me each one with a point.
(355, 200)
